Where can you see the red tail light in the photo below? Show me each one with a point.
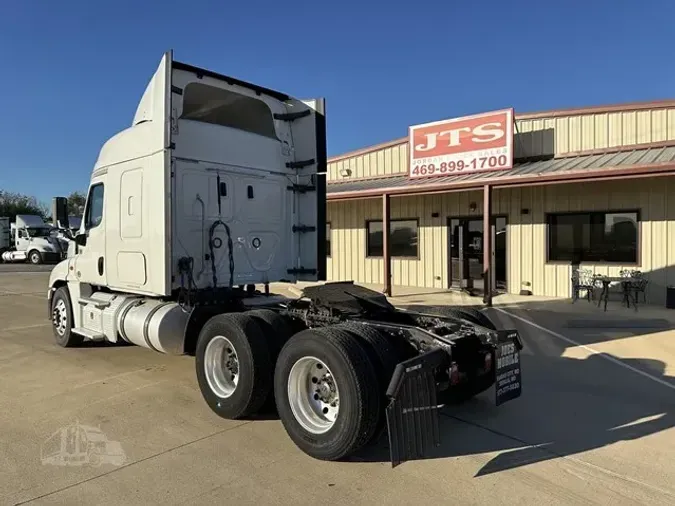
(488, 361)
(454, 374)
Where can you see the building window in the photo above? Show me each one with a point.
(327, 239)
(602, 237)
(402, 241)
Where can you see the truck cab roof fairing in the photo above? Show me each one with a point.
(150, 130)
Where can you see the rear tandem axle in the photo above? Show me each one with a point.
(342, 365)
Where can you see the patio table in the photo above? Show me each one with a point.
(627, 284)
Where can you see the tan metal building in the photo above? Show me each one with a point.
(593, 185)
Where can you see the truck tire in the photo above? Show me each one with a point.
(35, 257)
(384, 357)
(276, 328)
(278, 331)
(62, 319)
(477, 317)
(379, 348)
(313, 367)
(234, 369)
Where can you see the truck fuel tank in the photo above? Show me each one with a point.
(153, 324)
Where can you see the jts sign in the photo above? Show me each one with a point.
(460, 145)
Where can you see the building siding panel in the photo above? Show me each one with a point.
(629, 126)
(527, 268)
(535, 137)
(644, 127)
(659, 126)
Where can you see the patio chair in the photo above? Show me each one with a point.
(583, 279)
(636, 284)
(639, 285)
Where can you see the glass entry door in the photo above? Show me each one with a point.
(466, 254)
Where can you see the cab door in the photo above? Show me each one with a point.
(22, 242)
(90, 263)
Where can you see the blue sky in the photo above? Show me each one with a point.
(73, 71)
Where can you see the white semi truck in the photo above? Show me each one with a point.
(218, 186)
(33, 241)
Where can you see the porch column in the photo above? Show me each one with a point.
(386, 252)
(487, 245)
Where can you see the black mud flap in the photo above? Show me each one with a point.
(412, 413)
(508, 383)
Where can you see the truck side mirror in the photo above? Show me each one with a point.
(81, 239)
(60, 212)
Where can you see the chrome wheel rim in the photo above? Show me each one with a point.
(60, 317)
(313, 395)
(221, 365)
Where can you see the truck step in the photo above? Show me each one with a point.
(98, 304)
(89, 334)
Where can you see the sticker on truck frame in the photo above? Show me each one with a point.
(507, 368)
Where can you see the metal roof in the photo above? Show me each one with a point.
(592, 163)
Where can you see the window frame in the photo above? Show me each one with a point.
(87, 212)
(367, 232)
(638, 252)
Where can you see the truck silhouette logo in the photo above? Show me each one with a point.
(80, 445)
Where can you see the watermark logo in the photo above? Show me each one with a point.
(81, 445)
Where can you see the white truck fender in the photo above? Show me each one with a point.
(59, 275)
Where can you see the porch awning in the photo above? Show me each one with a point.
(617, 164)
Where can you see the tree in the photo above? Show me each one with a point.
(12, 204)
(76, 201)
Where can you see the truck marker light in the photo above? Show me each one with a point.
(454, 374)
(488, 362)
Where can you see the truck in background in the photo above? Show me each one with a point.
(218, 185)
(33, 241)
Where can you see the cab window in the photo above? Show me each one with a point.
(94, 206)
(209, 104)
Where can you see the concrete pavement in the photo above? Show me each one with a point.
(24, 268)
(587, 430)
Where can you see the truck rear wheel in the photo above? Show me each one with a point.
(326, 392)
(477, 317)
(276, 328)
(233, 364)
(382, 354)
(62, 319)
(278, 331)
